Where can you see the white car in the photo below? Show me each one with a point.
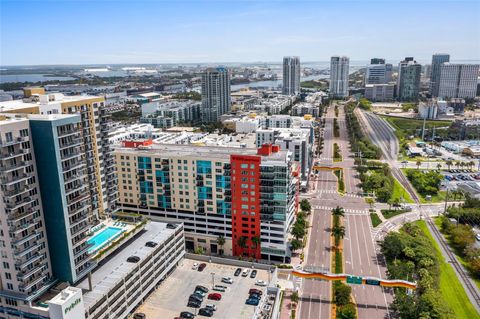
(477, 236)
(211, 306)
(260, 283)
(227, 280)
(245, 272)
(195, 266)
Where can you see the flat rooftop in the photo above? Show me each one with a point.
(115, 267)
(219, 152)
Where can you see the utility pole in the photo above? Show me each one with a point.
(423, 128)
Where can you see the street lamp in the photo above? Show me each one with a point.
(213, 279)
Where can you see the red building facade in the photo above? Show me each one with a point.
(245, 185)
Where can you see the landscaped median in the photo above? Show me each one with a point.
(341, 183)
(343, 306)
(337, 155)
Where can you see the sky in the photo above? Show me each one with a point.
(110, 32)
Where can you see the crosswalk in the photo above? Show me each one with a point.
(348, 211)
(334, 191)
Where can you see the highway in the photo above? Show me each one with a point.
(360, 252)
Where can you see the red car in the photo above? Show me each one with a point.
(202, 266)
(214, 296)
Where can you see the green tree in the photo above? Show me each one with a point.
(338, 211)
(298, 231)
(294, 297)
(305, 205)
(221, 243)
(256, 241)
(449, 163)
(418, 163)
(347, 312)
(242, 242)
(342, 294)
(295, 244)
(370, 201)
(439, 166)
(339, 233)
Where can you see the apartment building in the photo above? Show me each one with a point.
(94, 131)
(248, 196)
(67, 204)
(216, 99)
(166, 114)
(437, 60)
(408, 80)
(378, 72)
(26, 271)
(301, 109)
(291, 75)
(339, 67)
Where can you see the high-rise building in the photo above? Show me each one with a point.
(247, 196)
(437, 60)
(94, 128)
(339, 67)
(67, 203)
(216, 99)
(380, 92)
(291, 75)
(408, 81)
(458, 80)
(26, 269)
(377, 61)
(378, 72)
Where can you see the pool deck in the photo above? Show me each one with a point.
(125, 227)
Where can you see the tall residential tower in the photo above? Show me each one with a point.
(458, 80)
(339, 76)
(291, 75)
(216, 99)
(408, 81)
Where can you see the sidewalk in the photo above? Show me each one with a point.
(286, 304)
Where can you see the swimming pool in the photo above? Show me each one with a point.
(103, 238)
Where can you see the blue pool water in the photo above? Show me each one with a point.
(103, 238)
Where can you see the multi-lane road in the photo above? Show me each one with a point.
(360, 252)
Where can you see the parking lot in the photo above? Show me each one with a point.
(172, 295)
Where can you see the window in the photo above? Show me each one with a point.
(243, 165)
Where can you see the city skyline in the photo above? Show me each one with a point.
(208, 31)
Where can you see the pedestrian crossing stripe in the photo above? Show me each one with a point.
(348, 211)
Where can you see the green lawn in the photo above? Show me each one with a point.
(438, 222)
(410, 126)
(389, 213)
(400, 192)
(440, 197)
(375, 219)
(450, 287)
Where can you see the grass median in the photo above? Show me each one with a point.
(450, 287)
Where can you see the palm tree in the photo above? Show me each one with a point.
(338, 211)
(338, 232)
(418, 164)
(242, 242)
(457, 164)
(471, 164)
(439, 166)
(449, 163)
(221, 242)
(256, 241)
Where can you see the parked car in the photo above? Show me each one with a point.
(477, 236)
(255, 291)
(186, 315)
(196, 296)
(205, 312)
(171, 226)
(260, 283)
(252, 301)
(227, 280)
(194, 304)
(195, 266)
(256, 296)
(202, 288)
(253, 274)
(200, 292)
(215, 296)
(211, 306)
(202, 266)
(150, 244)
(245, 272)
(238, 272)
(220, 288)
(139, 315)
(133, 259)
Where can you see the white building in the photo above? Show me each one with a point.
(378, 73)
(339, 67)
(427, 111)
(379, 92)
(458, 80)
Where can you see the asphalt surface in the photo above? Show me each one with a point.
(360, 251)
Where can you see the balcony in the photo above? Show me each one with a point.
(77, 198)
(18, 165)
(15, 179)
(21, 253)
(24, 263)
(18, 152)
